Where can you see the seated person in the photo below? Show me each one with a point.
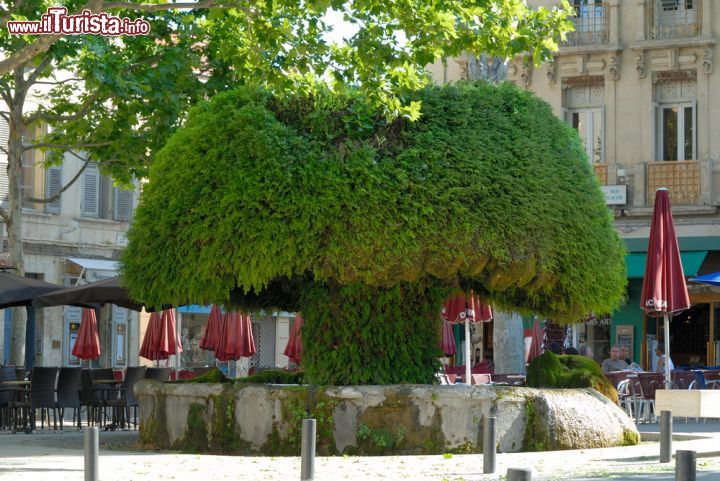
(571, 350)
(625, 355)
(660, 353)
(614, 363)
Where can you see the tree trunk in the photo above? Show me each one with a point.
(508, 342)
(14, 213)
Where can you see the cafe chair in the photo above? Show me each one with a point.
(68, 393)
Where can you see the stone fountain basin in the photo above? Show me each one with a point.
(398, 419)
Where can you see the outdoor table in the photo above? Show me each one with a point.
(18, 390)
(106, 388)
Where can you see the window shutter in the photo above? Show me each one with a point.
(122, 204)
(89, 203)
(53, 184)
(655, 129)
(4, 137)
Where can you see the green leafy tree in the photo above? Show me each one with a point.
(321, 205)
(117, 99)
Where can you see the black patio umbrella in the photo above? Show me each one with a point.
(20, 291)
(17, 291)
(90, 295)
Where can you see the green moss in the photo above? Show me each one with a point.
(195, 439)
(296, 404)
(214, 375)
(367, 225)
(225, 438)
(149, 432)
(273, 376)
(630, 438)
(551, 371)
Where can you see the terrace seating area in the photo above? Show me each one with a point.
(75, 396)
(637, 390)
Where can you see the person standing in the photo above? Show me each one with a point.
(586, 351)
(614, 363)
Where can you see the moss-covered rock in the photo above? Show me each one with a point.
(568, 371)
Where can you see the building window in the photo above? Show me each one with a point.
(676, 118)
(102, 200)
(674, 18)
(584, 111)
(676, 132)
(590, 22)
(589, 125)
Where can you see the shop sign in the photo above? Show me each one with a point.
(615, 194)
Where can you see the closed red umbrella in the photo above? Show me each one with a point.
(448, 339)
(536, 342)
(160, 341)
(466, 309)
(169, 343)
(87, 343)
(151, 341)
(293, 350)
(664, 290)
(236, 338)
(212, 330)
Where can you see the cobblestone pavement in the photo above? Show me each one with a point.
(59, 456)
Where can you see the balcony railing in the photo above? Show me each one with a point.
(672, 19)
(681, 178)
(591, 25)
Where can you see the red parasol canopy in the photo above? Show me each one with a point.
(169, 342)
(459, 308)
(293, 350)
(210, 338)
(151, 340)
(448, 339)
(87, 343)
(236, 338)
(160, 341)
(537, 341)
(664, 288)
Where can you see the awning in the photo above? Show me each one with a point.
(691, 262)
(96, 269)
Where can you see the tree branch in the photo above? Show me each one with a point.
(4, 215)
(65, 118)
(41, 82)
(49, 145)
(41, 45)
(56, 196)
(38, 70)
(159, 7)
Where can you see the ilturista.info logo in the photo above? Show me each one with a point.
(57, 22)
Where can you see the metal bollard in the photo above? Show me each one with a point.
(489, 445)
(685, 465)
(307, 451)
(92, 448)
(666, 428)
(519, 474)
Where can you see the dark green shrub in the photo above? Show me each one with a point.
(273, 376)
(262, 203)
(551, 371)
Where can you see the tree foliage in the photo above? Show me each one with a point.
(283, 43)
(257, 199)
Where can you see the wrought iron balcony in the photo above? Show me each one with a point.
(681, 178)
(591, 25)
(672, 19)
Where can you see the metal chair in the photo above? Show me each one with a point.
(125, 399)
(68, 393)
(40, 396)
